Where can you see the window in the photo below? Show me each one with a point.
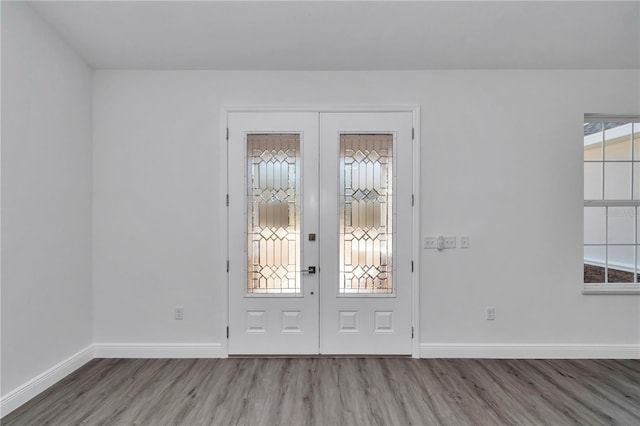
(611, 205)
(273, 215)
(366, 214)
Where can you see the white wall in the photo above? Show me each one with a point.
(502, 162)
(46, 198)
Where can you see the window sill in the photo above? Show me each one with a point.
(606, 289)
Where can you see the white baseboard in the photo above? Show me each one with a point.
(499, 350)
(158, 350)
(35, 386)
(40, 383)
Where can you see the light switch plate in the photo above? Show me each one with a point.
(450, 242)
(430, 242)
(464, 241)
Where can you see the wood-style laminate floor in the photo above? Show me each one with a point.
(340, 391)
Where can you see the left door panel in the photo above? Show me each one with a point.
(273, 208)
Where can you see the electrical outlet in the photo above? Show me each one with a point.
(430, 242)
(179, 312)
(491, 314)
(464, 241)
(450, 242)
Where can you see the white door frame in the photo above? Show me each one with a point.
(223, 228)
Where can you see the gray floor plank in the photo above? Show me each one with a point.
(340, 391)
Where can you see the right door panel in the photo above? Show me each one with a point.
(365, 225)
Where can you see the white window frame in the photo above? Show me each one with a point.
(614, 288)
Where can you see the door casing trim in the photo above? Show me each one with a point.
(223, 225)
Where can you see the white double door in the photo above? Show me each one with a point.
(320, 214)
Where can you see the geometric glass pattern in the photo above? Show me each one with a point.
(366, 214)
(273, 227)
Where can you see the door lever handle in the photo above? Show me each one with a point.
(309, 270)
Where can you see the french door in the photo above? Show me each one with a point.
(320, 214)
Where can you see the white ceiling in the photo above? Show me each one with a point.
(341, 35)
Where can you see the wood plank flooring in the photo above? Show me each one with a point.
(340, 391)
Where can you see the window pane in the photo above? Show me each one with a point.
(593, 152)
(636, 141)
(593, 141)
(617, 141)
(636, 180)
(593, 181)
(591, 128)
(594, 259)
(621, 225)
(273, 213)
(366, 213)
(637, 225)
(620, 263)
(617, 181)
(595, 225)
(638, 263)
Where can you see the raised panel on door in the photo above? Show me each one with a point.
(366, 190)
(273, 207)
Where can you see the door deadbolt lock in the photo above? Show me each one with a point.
(312, 237)
(310, 270)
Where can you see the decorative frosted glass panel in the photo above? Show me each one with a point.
(366, 213)
(273, 180)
